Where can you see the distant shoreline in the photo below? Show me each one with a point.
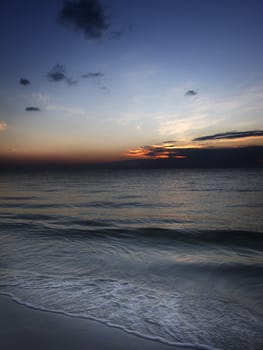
(200, 158)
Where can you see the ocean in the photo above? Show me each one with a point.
(171, 255)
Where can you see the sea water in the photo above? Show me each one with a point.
(172, 255)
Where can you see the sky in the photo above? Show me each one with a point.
(89, 80)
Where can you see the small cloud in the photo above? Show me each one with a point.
(32, 109)
(191, 93)
(230, 135)
(169, 142)
(3, 126)
(115, 34)
(86, 16)
(96, 78)
(12, 149)
(24, 82)
(59, 73)
(91, 75)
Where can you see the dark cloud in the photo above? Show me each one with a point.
(32, 109)
(59, 73)
(191, 93)
(24, 81)
(230, 135)
(92, 75)
(161, 152)
(86, 16)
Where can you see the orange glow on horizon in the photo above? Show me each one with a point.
(92, 155)
(59, 157)
(171, 150)
(164, 150)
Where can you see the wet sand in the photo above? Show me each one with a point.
(24, 328)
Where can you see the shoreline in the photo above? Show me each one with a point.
(23, 327)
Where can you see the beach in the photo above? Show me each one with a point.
(26, 328)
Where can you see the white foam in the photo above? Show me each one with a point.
(167, 317)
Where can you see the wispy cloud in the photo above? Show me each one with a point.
(32, 109)
(65, 109)
(86, 16)
(208, 112)
(96, 78)
(3, 126)
(182, 126)
(24, 81)
(231, 135)
(41, 97)
(115, 34)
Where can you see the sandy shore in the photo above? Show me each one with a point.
(25, 328)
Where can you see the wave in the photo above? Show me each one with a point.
(58, 225)
(91, 204)
(18, 198)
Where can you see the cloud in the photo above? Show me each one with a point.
(181, 126)
(172, 142)
(65, 109)
(96, 78)
(165, 150)
(191, 93)
(91, 75)
(32, 109)
(71, 81)
(207, 112)
(41, 97)
(86, 16)
(24, 82)
(59, 73)
(235, 157)
(3, 126)
(115, 34)
(230, 135)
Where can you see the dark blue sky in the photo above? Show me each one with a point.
(129, 86)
